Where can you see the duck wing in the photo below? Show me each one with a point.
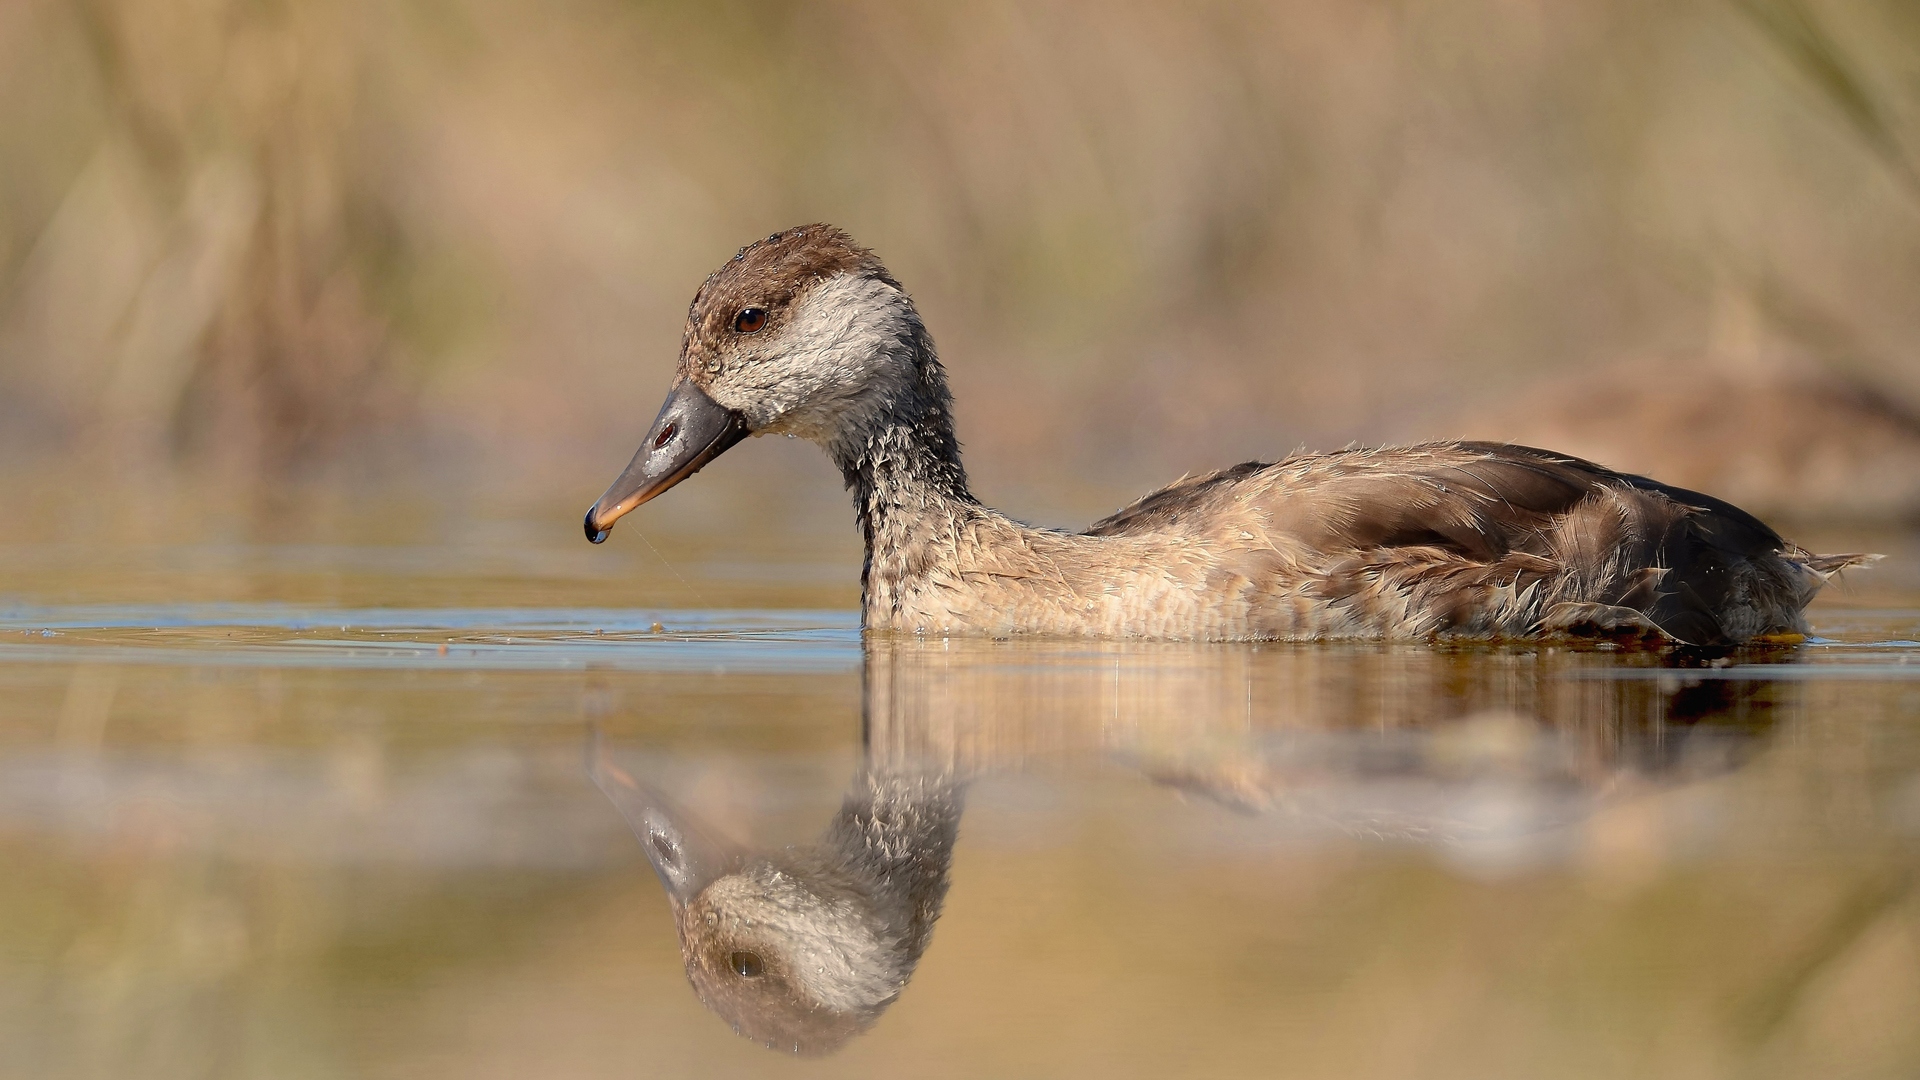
(1472, 537)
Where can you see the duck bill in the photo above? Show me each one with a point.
(685, 853)
(691, 430)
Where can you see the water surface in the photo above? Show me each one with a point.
(282, 807)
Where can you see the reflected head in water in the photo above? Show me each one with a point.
(803, 948)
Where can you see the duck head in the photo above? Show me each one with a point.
(804, 334)
(802, 949)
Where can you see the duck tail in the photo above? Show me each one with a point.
(1828, 565)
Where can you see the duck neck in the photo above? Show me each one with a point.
(909, 488)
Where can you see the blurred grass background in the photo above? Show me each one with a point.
(265, 238)
(268, 268)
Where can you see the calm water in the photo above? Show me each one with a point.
(321, 801)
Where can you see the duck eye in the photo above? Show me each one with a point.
(746, 965)
(749, 320)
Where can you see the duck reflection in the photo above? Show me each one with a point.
(802, 948)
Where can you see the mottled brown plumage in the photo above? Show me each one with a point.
(1477, 540)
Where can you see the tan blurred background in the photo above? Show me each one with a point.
(359, 249)
(263, 238)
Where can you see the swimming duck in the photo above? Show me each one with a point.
(806, 334)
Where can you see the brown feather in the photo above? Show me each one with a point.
(1438, 529)
(1456, 538)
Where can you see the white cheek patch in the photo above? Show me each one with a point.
(846, 353)
(828, 945)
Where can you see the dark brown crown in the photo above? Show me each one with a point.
(770, 274)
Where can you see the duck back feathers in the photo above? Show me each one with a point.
(1487, 539)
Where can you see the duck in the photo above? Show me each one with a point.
(805, 333)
